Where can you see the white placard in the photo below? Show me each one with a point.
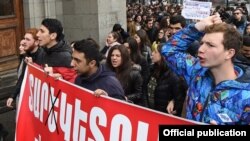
(196, 9)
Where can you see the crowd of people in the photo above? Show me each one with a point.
(198, 70)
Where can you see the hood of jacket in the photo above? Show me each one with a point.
(102, 71)
(241, 83)
(61, 46)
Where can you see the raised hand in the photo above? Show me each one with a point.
(214, 19)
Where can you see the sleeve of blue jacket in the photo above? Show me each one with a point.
(175, 53)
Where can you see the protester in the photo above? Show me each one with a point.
(91, 74)
(242, 59)
(57, 56)
(28, 48)
(176, 24)
(166, 91)
(122, 33)
(238, 20)
(127, 73)
(150, 29)
(112, 40)
(138, 59)
(215, 95)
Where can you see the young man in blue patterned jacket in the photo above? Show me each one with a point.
(215, 94)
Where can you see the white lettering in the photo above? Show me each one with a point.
(37, 97)
(65, 116)
(79, 116)
(44, 100)
(97, 114)
(142, 131)
(31, 81)
(199, 133)
(120, 123)
(166, 132)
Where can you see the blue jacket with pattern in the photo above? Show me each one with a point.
(226, 103)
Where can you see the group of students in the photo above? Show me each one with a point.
(216, 93)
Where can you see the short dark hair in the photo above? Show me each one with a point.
(246, 41)
(238, 9)
(117, 27)
(149, 19)
(90, 50)
(54, 26)
(178, 19)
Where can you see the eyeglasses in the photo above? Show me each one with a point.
(161, 32)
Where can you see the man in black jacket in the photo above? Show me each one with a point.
(91, 74)
(243, 59)
(57, 56)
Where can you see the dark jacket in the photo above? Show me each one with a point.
(244, 63)
(59, 57)
(145, 74)
(168, 87)
(103, 79)
(152, 34)
(133, 91)
(36, 57)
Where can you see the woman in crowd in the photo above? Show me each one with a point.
(166, 91)
(142, 64)
(112, 40)
(144, 44)
(119, 61)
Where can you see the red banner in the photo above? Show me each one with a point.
(52, 110)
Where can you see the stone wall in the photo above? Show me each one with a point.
(80, 18)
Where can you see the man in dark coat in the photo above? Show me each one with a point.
(91, 74)
(57, 56)
(243, 59)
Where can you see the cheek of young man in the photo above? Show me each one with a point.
(30, 47)
(211, 52)
(246, 51)
(213, 58)
(43, 36)
(83, 70)
(44, 40)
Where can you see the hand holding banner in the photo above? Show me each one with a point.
(58, 110)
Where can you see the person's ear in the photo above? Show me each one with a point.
(53, 36)
(36, 43)
(230, 53)
(92, 63)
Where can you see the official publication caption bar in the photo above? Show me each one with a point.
(200, 131)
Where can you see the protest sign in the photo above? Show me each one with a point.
(52, 110)
(196, 9)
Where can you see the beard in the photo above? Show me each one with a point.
(30, 49)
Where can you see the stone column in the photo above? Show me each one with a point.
(92, 18)
(36, 10)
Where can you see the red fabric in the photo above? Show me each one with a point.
(68, 74)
